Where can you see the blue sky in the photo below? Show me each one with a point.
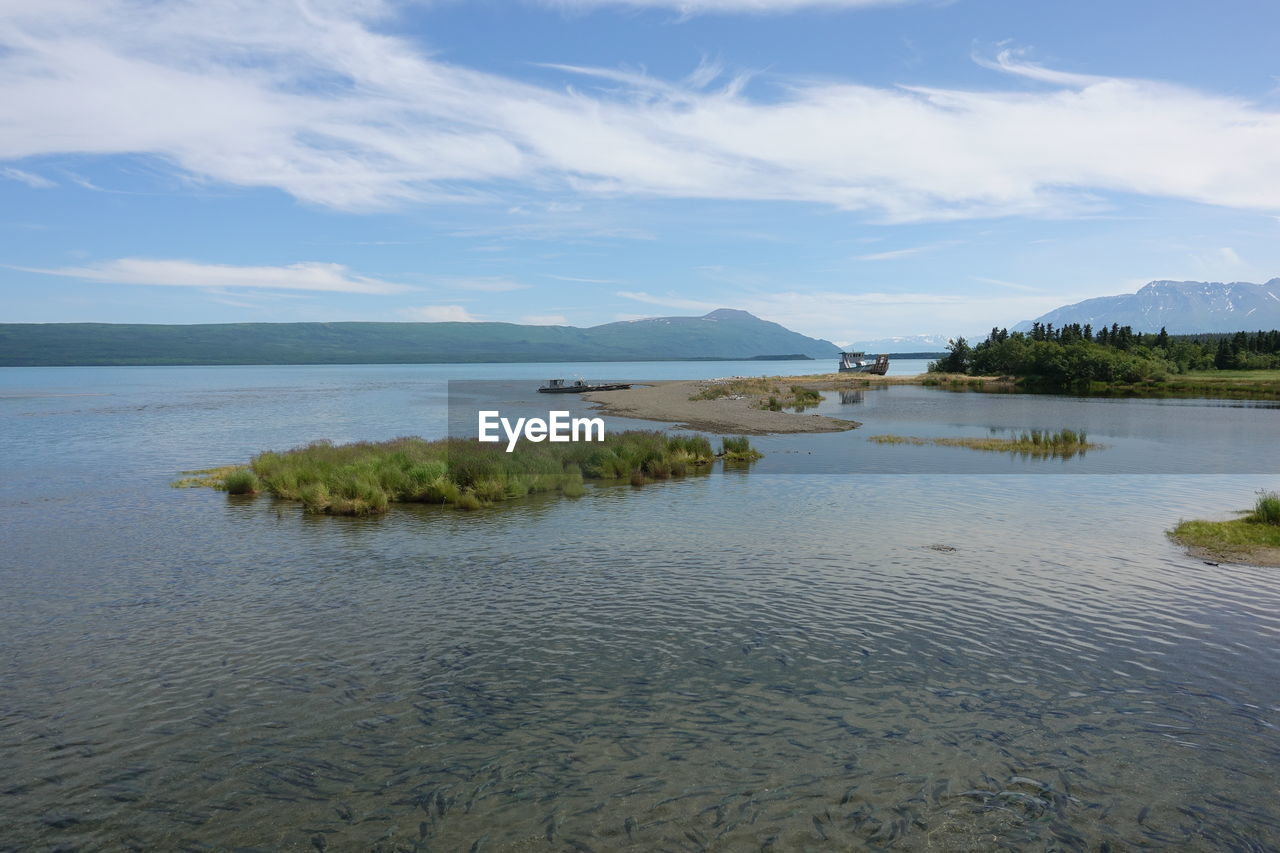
(852, 169)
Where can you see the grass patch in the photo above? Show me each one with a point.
(764, 393)
(1063, 444)
(365, 478)
(1255, 538)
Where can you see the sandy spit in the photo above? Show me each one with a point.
(1260, 556)
(669, 401)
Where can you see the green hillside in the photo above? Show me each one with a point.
(721, 334)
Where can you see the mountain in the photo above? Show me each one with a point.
(909, 343)
(724, 333)
(1183, 307)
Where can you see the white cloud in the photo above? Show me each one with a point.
(439, 314)
(544, 320)
(690, 7)
(845, 316)
(490, 284)
(29, 178)
(318, 101)
(333, 278)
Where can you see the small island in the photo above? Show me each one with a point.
(1035, 443)
(1254, 538)
(365, 478)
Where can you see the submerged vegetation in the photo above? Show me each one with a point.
(365, 478)
(1062, 444)
(1255, 538)
(765, 393)
(1076, 357)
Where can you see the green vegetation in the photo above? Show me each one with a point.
(1076, 357)
(242, 482)
(365, 478)
(766, 392)
(1063, 444)
(1255, 538)
(738, 449)
(1267, 509)
(208, 478)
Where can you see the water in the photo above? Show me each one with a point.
(742, 660)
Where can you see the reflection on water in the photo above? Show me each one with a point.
(727, 662)
(851, 398)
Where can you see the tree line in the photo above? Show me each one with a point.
(1076, 353)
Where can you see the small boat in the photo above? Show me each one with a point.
(857, 362)
(558, 386)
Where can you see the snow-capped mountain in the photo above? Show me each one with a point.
(908, 343)
(1183, 307)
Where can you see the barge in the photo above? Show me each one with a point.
(857, 362)
(558, 386)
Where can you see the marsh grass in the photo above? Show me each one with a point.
(365, 478)
(1063, 444)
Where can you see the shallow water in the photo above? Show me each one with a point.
(733, 661)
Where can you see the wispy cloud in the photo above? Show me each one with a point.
(333, 278)
(895, 254)
(580, 280)
(544, 320)
(29, 178)
(320, 102)
(668, 301)
(439, 314)
(490, 284)
(1011, 285)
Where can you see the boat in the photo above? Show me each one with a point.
(857, 362)
(558, 386)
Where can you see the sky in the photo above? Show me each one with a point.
(852, 169)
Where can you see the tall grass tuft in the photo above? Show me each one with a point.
(242, 481)
(738, 449)
(1267, 509)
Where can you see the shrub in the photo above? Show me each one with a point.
(242, 481)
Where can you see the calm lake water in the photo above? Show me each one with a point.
(788, 658)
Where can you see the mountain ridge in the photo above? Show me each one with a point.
(721, 334)
(1181, 307)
